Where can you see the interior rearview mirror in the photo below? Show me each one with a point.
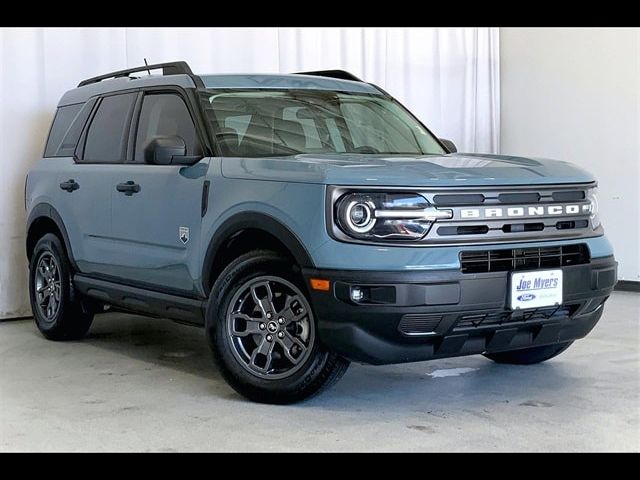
(168, 150)
(449, 144)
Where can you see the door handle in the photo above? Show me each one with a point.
(128, 188)
(70, 185)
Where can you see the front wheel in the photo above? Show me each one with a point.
(529, 356)
(262, 332)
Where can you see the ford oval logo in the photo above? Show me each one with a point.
(525, 297)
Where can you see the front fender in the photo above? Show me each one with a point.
(257, 220)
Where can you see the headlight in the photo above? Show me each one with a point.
(386, 216)
(592, 196)
(358, 215)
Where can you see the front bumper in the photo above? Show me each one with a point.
(446, 313)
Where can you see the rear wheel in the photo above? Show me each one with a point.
(57, 311)
(263, 334)
(528, 356)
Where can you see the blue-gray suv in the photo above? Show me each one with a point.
(305, 221)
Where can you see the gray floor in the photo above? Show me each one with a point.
(142, 384)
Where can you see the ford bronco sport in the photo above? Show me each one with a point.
(305, 221)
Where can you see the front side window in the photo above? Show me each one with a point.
(165, 114)
(256, 123)
(107, 135)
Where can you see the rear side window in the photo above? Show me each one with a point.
(61, 123)
(107, 134)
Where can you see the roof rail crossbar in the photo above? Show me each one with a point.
(341, 74)
(171, 68)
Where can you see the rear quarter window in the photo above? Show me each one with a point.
(62, 121)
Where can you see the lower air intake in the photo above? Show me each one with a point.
(419, 323)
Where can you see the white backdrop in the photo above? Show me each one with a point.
(583, 106)
(449, 78)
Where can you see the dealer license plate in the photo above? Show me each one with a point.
(539, 288)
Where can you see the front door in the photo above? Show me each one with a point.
(156, 209)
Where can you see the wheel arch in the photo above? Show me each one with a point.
(43, 219)
(250, 226)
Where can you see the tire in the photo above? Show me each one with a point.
(58, 312)
(238, 329)
(529, 356)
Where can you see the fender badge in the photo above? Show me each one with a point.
(183, 234)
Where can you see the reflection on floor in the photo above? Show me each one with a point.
(143, 384)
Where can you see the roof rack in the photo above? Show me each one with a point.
(171, 68)
(341, 74)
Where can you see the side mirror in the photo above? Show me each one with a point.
(167, 151)
(449, 144)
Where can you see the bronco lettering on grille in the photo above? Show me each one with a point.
(526, 211)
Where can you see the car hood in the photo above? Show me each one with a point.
(459, 169)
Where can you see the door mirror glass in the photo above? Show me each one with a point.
(166, 150)
(449, 144)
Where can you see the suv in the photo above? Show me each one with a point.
(305, 221)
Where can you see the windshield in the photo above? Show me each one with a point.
(258, 123)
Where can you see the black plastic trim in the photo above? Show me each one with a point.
(168, 68)
(260, 221)
(133, 129)
(45, 210)
(139, 300)
(78, 152)
(204, 204)
(144, 286)
(340, 74)
(370, 333)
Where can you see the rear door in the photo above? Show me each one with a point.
(156, 225)
(85, 181)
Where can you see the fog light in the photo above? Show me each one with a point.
(356, 294)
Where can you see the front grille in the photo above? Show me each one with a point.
(476, 320)
(511, 259)
(511, 214)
